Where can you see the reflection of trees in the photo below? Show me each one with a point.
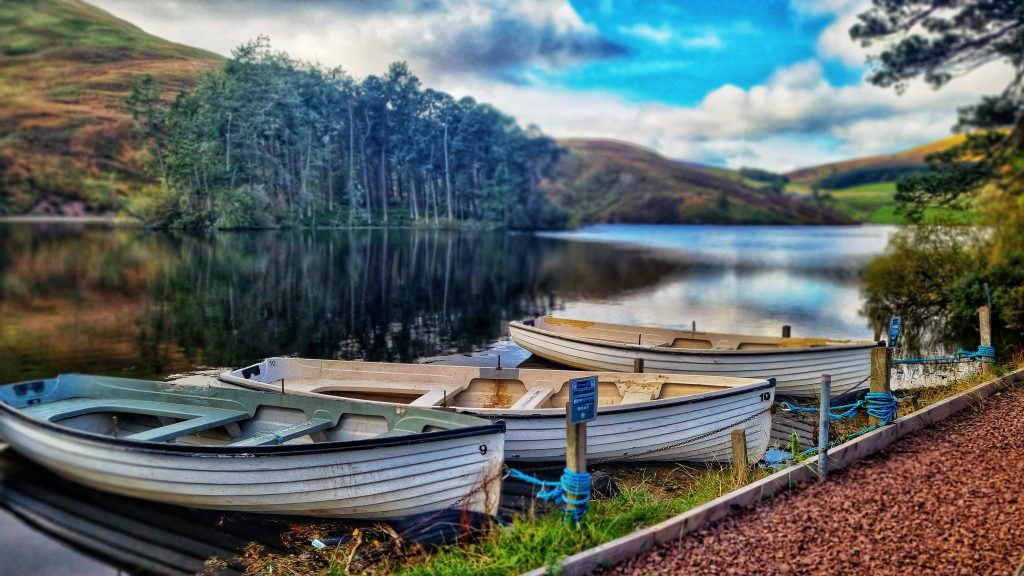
(380, 295)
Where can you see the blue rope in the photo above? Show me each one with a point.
(572, 491)
(881, 405)
(986, 354)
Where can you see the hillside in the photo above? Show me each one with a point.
(66, 139)
(610, 181)
(870, 169)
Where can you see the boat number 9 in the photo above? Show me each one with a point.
(483, 448)
(765, 396)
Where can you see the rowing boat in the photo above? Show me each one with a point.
(212, 447)
(796, 364)
(640, 416)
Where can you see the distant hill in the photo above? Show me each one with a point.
(611, 181)
(871, 169)
(865, 188)
(66, 141)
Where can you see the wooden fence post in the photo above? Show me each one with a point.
(881, 359)
(786, 331)
(985, 330)
(575, 446)
(823, 424)
(638, 365)
(740, 462)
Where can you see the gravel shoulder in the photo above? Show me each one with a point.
(947, 500)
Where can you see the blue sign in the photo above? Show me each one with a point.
(894, 330)
(582, 400)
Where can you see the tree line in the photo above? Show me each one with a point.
(270, 141)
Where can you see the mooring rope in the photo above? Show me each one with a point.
(986, 354)
(572, 491)
(881, 405)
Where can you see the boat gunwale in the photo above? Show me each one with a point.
(509, 414)
(200, 451)
(688, 351)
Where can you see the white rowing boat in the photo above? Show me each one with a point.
(796, 364)
(254, 452)
(640, 416)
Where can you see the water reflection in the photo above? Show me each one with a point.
(121, 301)
(130, 535)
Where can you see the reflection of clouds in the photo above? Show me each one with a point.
(805, 247)
(804, 277)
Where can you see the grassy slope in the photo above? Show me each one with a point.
(909, 157)
(65, 132)
(875, 202)
(611, 181)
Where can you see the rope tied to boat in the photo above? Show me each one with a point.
(880, 405)
(986, 354)
(572, 491)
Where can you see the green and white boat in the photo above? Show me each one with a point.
(243, 450)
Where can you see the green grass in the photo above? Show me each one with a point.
(545, 541)
(875, 203)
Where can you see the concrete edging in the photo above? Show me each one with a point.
(630, 545)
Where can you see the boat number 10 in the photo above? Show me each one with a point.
(766, 396)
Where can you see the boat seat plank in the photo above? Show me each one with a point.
(433, 398)
(533, 398)
(285, 434)
(163, 433)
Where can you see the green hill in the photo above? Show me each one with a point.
(610, 181)
(865, 188)
(66, 138)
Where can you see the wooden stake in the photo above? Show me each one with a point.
(881, 359)
(575, 446)
(823, 424)
(740, 463)
(985, 329)
(786, 331)
(638, 365)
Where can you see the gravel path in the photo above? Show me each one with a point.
(947, 500)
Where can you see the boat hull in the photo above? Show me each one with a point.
(797, 373)
(380, 483)
(698, 430)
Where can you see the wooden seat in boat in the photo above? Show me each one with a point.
(533, 398)
(285, 434)
(436, 397)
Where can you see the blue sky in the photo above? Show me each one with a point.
(776, 84)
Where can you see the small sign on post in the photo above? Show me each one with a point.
(581, 408)
(895, 325)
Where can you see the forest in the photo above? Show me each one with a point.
(269, 141)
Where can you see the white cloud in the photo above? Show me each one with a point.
(660, 35)
(666, 35)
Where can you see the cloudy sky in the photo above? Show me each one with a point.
(776, 84)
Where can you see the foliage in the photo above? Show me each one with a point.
(869, 175)
(938, 41)
(304, 141)
(775, 182)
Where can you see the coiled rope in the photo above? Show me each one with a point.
(880, 405)
(572, 491)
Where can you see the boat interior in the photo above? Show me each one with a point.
(431, 385)
(165, 412)
(624, 334)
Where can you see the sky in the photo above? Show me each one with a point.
(773, 84)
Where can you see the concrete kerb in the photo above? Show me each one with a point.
(636, 543)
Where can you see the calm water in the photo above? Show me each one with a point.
(130, 302)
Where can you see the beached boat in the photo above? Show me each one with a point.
(640, 416)
(210, 447)
(796, 364)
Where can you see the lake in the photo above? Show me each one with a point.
(124, 301)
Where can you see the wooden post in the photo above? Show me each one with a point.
(740, 463)
(985, 329)
(575, 447)
(786, 331)
(881, 359)
(823, 424)
(638, 365)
